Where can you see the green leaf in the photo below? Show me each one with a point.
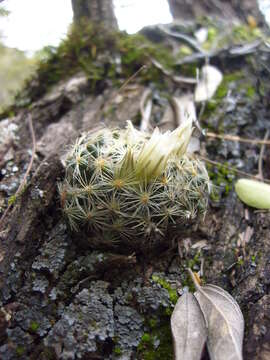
(253, 193)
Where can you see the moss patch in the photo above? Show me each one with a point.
(117, 351)
(100, 54)
(20, 350)
(34, 326)
(172, 292)
(222, 178)
(156, 343)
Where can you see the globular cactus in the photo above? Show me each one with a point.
(130, 184)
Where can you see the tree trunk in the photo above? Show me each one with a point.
(228, 9)
(67, 297)
(95, 10)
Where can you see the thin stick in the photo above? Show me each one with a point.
(30, 123)
(145, 109)
(238, 139)
(176, 79)
(230, 168)
(187, 39)
(132, 77)
(260, 163)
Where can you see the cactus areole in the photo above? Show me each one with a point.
(130, 184)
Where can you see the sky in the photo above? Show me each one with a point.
(33, 24)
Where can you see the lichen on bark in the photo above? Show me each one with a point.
(64, 298)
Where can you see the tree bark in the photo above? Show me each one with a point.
(96, 11)
(64, 298)
(227, 9)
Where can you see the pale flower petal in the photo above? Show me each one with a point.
(152, 160)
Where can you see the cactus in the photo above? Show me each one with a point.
(131, 184)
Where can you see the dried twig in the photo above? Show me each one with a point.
(245, 49)
(145, 109)
(30, 123)
(176, 79)
(131, 78)
(243, 173)
(187, 39)
(238, 139)
(20, 188)
(260, 162)
(195, 57)
(226, 52)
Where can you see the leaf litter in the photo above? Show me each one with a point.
(211, 316)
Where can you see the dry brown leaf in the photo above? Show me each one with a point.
(224, 321)
(188, 328)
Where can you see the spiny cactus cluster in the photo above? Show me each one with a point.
(130, 184)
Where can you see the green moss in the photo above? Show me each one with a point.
(157, 344)
(232, 77)
(248, 88)
(222, 178)
(188, 70)
(146, 338)
(172, 292)
(12, 199)
(244, 33)
(230, 81)
(101, 55)
(195, 261)
(211, 38)
(220, 36)
(240, 262)
(117, 350)
(238, 34)
(250, 92)
(153, 323)
(20, 350)
(222, 91)
(34, 326)
(212, 33)
(184, 51)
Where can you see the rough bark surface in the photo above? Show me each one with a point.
(95, 10)
(64, 298)
(228, 9)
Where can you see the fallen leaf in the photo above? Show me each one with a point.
(188, 328)
(253, 193)
(208, 84)
(201, 35)
(224, 321)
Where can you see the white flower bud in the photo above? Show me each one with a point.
(152, 159)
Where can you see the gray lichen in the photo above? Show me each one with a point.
(52, 254)
(84, 323)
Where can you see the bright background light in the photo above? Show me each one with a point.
(132, 15)
(33, 24)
